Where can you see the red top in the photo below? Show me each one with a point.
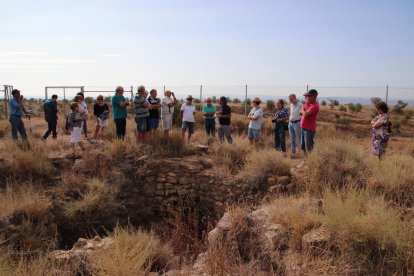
(309, 123)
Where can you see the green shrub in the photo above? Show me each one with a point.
(270, 104)
(343, 108)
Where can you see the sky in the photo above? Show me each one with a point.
(179, 43)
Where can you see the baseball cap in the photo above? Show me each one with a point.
(311, 92)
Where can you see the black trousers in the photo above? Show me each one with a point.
(51, 128)
(120, 128)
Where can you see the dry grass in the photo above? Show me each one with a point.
(337, 163)
(133, 252)
(233, 156)
(394, 177)
(25, 198)
(265, 163)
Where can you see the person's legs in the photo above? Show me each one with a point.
(277, 137)
(221, 134)
(292, 136)
(302, 142)
(191, 126)
(207, 126)
(282, 132)
(184, 129)
(250, 136)
(97, 128)
(14, 125)
(298, 133)
(227, 133)
(85, 128)
(123, 128)
(54, 132)
(213, 127)
(118, 128)
(48, 131)
(21, 129)
(308, 137)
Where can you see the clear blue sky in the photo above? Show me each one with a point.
(106, 43)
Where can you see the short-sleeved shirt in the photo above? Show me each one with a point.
(209, 109)
(294, 112)
(225, 110)
(256, 124)
(188, 112)
(309, 123)
(154, 113)
(281, 113)
(14, 110)
(140, 109)
(165, 109)
(98, 111)
(83, 107)
(117, 111)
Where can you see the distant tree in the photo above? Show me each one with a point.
(247, 102)
(270, 104)
(343, 108)
(355, 108)
(375, 100)
(323, 103)
(358, 108)
(228, 99)
(214, 99)
(236, 100)
(399, 107)
(196, 101)
(107, 99)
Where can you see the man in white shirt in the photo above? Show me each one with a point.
(255, 124)
(167, 111)
(187, 117)
(295, 132)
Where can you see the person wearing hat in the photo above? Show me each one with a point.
(210, 124)
(224, 116)
(309, 114)
(141, 106)
(280, 122)
(119, 112)
(255, 125)
(15, 115)
(83, 108)
(167, 111)
(187, 117)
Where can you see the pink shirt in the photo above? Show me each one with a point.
(309, 123)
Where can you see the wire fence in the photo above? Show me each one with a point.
(240, 93)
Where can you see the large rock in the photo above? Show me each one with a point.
(316, 241)
(226, 222)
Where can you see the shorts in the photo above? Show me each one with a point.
(102, 123)
(141, 124)
(254, 134)
(188, 125)
(153, 123)
(76, 135)
(167, 121)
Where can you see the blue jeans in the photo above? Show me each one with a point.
(280, 137)
(17, 125)
(141, 124)
(295, 134)
(307, 139)
(210, 125)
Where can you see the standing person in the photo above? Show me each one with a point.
(50, 108)
(167, 110)
(15, 116)
(141, 106)
(309, 114)
(83, 109)
(101, 114)
(381, 127)
(280, 121)
(224, 116)
(295, 132)
(187, 117)
(75, 120)
(154, 113)
(255, 122)
(119, 112)
(209, 111)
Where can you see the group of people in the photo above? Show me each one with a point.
(150, 111)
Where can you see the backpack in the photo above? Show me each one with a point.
(67, 127)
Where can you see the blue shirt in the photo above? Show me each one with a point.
(14, 110)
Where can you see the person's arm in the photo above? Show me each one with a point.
(377, 124)
(181, 114)
(286, 117)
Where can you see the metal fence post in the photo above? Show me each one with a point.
(164, 89)
(45, 93)
(64, 101)
(245, 103)
(307, 88)
(201, 96)
(386, 94)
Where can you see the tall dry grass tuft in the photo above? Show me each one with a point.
(233, 156)
(369, 232)
(264, 163)
(394, 176)
(29, 163)
(133, 252)
(95, 209)
(116, 148)
(336, 164)
(173, 146)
